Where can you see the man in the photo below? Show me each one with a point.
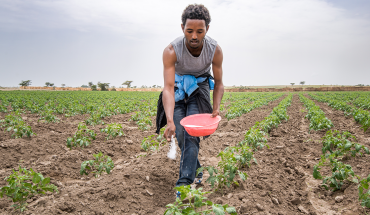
(189, 58)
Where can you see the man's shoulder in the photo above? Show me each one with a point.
(210, 41)
(169, 53)
(178, 41)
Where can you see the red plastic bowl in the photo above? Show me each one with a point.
(200, 125)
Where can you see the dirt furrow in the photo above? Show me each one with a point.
(344, 123)
(360, 165)
(141, 185)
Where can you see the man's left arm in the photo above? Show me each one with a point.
(218, 92)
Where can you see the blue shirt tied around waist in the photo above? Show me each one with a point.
(187, 84)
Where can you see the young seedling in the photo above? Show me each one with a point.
(341, 145)
(100, 164)
(113, 130)
(340, 173)
(197, 204)
(225, 172)
(48, 116)
(82, 137)
(94, 119)
(255, 138)
(15, 123)
(318, 120)
(23, 185)
(153, 142)
(363, 195)
(142, 120)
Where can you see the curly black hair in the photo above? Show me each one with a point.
(196, 11)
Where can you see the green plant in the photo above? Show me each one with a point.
(318, 120)
(142, 120)
(94, 119)
(201, 205)
(48, 116)
(11, 119)
(225, 172)
(15, 123)
(235, 158)
(113, 130)
(246, 102)
(243, 155)
(340, 173)
(24, 184)
(339, 102)
(82, 137)
(3, 109)
(339, 144)
(97, 166)
(363, 195)
(255, 138)
(153, 142)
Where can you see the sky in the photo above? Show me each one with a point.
(264, 42)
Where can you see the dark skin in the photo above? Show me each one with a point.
(194, 30)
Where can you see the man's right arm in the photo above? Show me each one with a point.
(168, 97)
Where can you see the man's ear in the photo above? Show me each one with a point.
(207, 28)
(183, 28)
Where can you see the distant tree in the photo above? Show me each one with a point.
(143, 86)
(134, 87)
(93, 87)
(292, 84)
(159, 86)
(63, 85)
(25, 83)
(302, 83)
(154, 86)
(90, 84)
(113, 88)
(48, 84)
(127, 83)
(103, 86)
(85, 86)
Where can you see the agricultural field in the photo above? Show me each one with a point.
(97, 153)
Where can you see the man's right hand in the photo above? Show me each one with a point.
(170, 130)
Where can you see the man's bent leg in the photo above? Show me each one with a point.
(192, 109)
(178, 115)
(189, 149)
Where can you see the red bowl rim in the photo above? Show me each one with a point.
(218, 119)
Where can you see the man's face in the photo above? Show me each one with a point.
(194, 30)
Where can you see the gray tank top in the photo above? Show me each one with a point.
(187, 64)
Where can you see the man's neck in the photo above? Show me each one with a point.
(195, 52)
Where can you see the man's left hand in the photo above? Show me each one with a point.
(215, 113)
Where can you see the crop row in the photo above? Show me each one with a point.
(48, 105)
(360, 115)
(74, 103)
(363, 100)
(359, 99)
(24, 184)
(235, 158)
(242, 106)
(318, 120)
(337, 147)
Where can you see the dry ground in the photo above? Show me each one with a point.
(281, 183)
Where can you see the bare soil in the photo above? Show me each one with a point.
(281, 183)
